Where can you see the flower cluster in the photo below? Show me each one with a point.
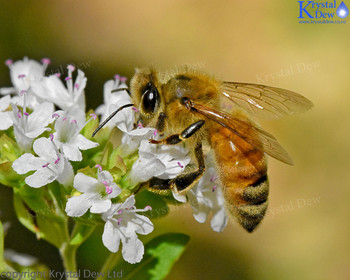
(52, 139)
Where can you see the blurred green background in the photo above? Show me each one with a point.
(305, 234)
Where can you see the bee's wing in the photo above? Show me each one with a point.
(264, 101)
(247, 131)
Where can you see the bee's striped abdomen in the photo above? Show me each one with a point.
(243, 176)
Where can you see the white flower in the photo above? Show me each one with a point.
(96, 194)
(5, 119)
(29, 126)
(19, 258)
(122, 224)
(207, 197)
(67, 136)
(23, 74)
(112, 101)
(161, 161)
(49, 166)
(52, 89)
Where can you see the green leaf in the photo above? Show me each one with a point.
(81, 233)
(161, 253)
(40, 215)
(156, 201)
(2, 260)
(9, 177)
(9, 150)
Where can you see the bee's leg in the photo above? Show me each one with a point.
(185, 181)
(160, 125)
(161, 186)
(182, 182)
(177, 138)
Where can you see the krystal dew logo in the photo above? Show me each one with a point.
(322, 12)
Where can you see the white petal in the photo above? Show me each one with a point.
(200, 210)
(115, 190)
(44, 148)
(19, 258)
(72, 152)
(180, 197)
(107, 91)
(37, 132)
(5, 102)
(129, 202)
(41, 178)
(124, 120)
(7, 90)
(142, 224)
(145, 168)
(78, 205)
(133, 248)
(219, 220)
(5, 120)
(84, 183)
(100, 205)
(83, 143)
(65, 175)
(24, 142)
(39, 119)
(106, 176)
(111, 237)
(27, 162)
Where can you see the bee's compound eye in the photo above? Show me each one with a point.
(149, 99)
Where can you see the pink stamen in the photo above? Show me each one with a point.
(93, 116)
(51, 137)
(71, 67)
(140, 125)
(22, 92)
(212, 179)
(120, 211)
(155, 132)
(135, 109)
(119, 221)
(57, 160)
(9, 62)
(214, 188)
(64, 119)
(67, 78)
(148, 207)
(179, 164)
(26, 113)
(46, 61)
(76, 86)
(73, 121)
(123, 79)
(45, 165)
(55, 115)
(116, 77)
(21, 76)
(109, 190)
(105, 183)
(58, 75)
(99, 167)
(19, 114)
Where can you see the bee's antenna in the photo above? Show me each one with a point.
(121, 89)
(111, 116)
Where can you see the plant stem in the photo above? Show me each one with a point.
(68, 254)
(110, 262)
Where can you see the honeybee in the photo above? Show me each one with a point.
(187, 106)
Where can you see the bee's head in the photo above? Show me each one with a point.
(146, 94)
